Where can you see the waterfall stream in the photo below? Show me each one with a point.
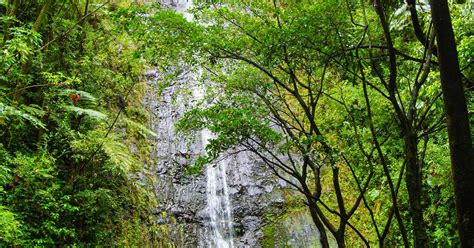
(219, 211)
(218, 203)
(219, 229)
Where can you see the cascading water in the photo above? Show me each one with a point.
(218, 203)
(218, 209)
(195, 210)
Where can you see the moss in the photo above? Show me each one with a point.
(282, 221)
(268, 239)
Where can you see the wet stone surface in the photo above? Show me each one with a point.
(183, 198)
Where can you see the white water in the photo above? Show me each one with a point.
(218, 203)
(219, 230)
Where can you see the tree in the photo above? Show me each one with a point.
(294, 66)
(460, 143)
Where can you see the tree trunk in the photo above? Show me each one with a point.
(460, 143)
(413, 181)
(317, 221)
(340, 239)
(42, 15)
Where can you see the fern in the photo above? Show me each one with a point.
(120, 156)
(9, 113)
(139, 128)
(87, 112)
(33, 110)
(86, 100)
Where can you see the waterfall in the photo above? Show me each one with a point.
(219, 230)
(219, 211)
(218, 202)
(195, 210)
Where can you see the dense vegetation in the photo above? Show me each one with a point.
(67, 176)
(341, 99)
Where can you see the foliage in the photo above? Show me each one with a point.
(66, 174)
(318, 83)
(341, 99)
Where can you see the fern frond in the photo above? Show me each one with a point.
(120, 156)
(139, 128)
(86, 98)
(7, 113)
(88, 112)
(34, 110)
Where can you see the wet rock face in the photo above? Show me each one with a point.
(179, 197)
(182, 199)
(253, 190)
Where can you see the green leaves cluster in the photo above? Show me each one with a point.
(67, 175)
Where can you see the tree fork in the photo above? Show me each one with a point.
(413, 174)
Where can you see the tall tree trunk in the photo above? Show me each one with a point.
(460, 143)
(413, 181)
(81, 23)
(42, 15)
(413, 176)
